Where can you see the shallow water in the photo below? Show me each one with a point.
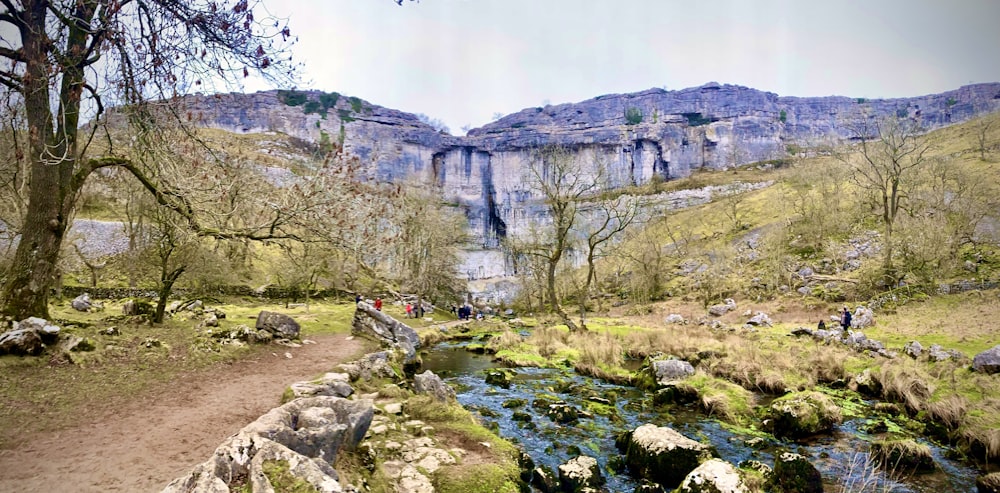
(838, 456)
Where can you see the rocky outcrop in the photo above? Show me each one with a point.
(987, 361)
(713, 476)
(802, 414)
(661, 454)
(667, 370)
(387, 331)
(431, 384)
(305, 433)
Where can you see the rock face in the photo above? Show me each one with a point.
(306, 433)
(389, 332)
(278, 324)
(987, 361)
(639, 136)
(713, 476)
(661, 454)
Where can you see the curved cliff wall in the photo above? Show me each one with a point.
(634, 136)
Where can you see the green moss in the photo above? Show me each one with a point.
(281, 478)
(287, 395)
(478, 478)
(525, 358)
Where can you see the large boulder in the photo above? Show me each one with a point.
(863, 317)
(306, 433)
(278, 324)
(661, 454)
(760, 319)
(913, 349)
(21, 342)
(429, 383)
(794, 474)
(387, 331)
(667, 370)
(371, 365)
(81, 303)
(987, 361)
(802, 414)
(713, 476)
(579, 474)
(335, 384)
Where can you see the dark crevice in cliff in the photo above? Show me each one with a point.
(495, 227)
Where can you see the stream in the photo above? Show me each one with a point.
(840, 456)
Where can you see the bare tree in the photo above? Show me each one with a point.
(68, 60)
(562, 183)
(607, 220)
(887, 159)
(985, 141)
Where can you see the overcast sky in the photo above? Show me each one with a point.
(462, 61)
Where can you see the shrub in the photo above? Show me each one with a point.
(292, 98)
(782, 116)
(633, 116)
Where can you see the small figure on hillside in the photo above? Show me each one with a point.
(409, 310)
(821, 326)
(845, 319)
(378, 304)
(420, 310)
(357, 298)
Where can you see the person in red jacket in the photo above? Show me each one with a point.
(378, 304)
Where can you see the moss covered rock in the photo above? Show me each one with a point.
(580, 474)
(989, 483)
(793, 473)
(661, 454)
(802, 414)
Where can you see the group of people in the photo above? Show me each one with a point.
(414, 310)
(464, 312)
(377, 304)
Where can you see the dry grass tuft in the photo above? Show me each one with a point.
(907, 382)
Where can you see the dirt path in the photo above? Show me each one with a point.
(158, 437)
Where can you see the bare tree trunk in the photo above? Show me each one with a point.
(554, 300)
(166, 286)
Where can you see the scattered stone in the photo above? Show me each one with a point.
(580, 473)
(865, 383)
(498, 378)
(987, 361)
(661, 454)
(863, 317)
(675, 318)
(666, 370)
(713, 476)
(544, 479)
(802, 331)
(211, 321)
(937, 353)
(792, 472)
(81, 303)
(278, 324)
(760, 319)
(563, 413)
(429, 383)
(112, 331)
(719, 310)
(21, 342)
(913, 349)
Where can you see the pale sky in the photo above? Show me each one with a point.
(463, 60)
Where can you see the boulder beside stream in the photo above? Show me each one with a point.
(661, 454)
(375, 324)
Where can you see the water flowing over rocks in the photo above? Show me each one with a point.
(661, 454)
(387, 331)
(793, 472)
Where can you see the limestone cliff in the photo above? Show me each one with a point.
(635, 136)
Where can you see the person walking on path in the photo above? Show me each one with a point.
(409, 310)
(378, 304)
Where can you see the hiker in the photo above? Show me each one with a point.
(821, 326)
(845, 319)
(419, 311)
(357, 298)
(409, 310)
(378, 304)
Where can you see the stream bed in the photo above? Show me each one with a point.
(840, 456)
